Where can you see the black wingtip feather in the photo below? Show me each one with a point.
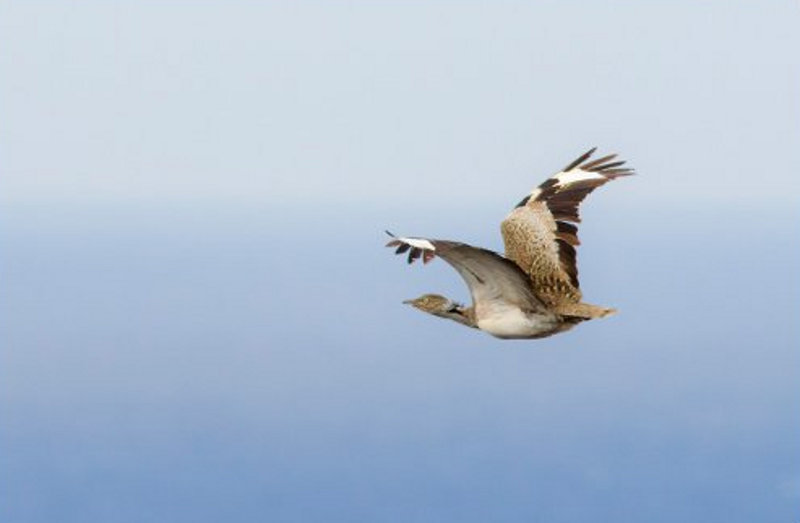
(616, 173)
(582, 158)
(606, 166)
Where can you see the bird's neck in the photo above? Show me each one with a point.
(462, 315)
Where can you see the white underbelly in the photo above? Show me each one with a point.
(511, 322)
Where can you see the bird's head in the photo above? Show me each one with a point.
(431, 303)
(442, 307)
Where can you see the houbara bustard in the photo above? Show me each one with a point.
(533, 291)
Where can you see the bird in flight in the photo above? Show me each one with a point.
(532, 291)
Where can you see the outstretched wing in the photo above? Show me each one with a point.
(491, 278)
(541, 234)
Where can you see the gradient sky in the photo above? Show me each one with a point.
(199, 322)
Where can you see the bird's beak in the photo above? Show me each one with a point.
(408, 302)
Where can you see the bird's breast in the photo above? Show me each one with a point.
(512, 322)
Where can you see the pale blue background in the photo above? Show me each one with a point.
(199, 322)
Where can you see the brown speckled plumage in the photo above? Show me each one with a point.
(541, 235)
(529, 237)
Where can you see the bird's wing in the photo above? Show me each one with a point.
(491, 278)
(541, 234)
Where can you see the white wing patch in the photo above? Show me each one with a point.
(576, 175)
(416, 247)
(419, 243)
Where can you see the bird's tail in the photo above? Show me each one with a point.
(585, 311)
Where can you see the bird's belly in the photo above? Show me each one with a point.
(511, 322)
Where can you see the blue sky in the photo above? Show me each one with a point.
(199, 321)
